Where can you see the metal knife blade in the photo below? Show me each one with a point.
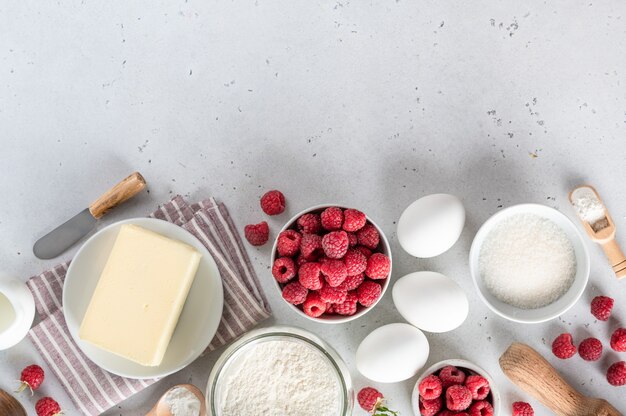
(65, 235)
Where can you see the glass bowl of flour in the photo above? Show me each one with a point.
(529, 263)
(279, 371)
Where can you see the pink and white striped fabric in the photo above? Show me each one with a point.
(94, 390)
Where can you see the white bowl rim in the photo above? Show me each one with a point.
(457, 362)
(488, 225)
(336, 319)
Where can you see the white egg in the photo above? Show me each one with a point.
(392, 353)
(430, 301)
(431, 225)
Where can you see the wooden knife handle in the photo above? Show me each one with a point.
(533, 374)
(121, 192)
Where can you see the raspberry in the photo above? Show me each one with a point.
(311, 246)
(450, 375)
(368, 293)
(273, 202)
(330, 309)
(300, 260)
(458, 397)
(352, 282)
(616, 374)
(47, 406)
(348, 307)
(335, 244)
(563, 347)
(257, 234)
(288, 243)
(283, 269)
(590, 349)
(430, 407)
(601, 307)
(356, 262)
(334, 271)
(333, 294)
(378, 266)
(309, 223)
(618, 340)
(366, 251)
(447, 412)
(314, 306)
(353, 220)
(372, 401)
(481, 408)
(478, 386)
(522, 409)
(31, 377)
(295, 293)
(332, 218)
(368, 236)
(430, 387)
(309, 276)
(352, 240)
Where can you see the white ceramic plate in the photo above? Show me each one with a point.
(199, 318)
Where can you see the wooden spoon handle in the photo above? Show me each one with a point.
(10, 406)
(121, 192)
(616, 257)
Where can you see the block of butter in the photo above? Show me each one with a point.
(140, 294)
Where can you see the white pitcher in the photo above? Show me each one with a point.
(17, 310)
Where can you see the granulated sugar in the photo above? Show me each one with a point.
(527, 261)
(281, 377)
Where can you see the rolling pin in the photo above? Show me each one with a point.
(527, 369)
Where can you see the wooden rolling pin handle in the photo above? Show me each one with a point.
(533, 374)
(121, 192)
(616, 257)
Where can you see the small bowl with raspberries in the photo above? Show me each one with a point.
(453, 387)
(331, 264)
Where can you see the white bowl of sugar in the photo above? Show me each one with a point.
(529, 263)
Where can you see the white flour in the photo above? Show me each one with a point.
(182, 402)
(589, 207)
(281, 378)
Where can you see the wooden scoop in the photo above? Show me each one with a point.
(533, 374)
(10, 406)
(163, 409)
(604, 234)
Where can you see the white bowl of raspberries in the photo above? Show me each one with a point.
(453, 387)
(331, 264)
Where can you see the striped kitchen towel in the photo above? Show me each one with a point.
(94, 390)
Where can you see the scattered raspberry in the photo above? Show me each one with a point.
(335, 244)
(430, 387)
(257, 234)
(372, 401)
(618, 340)
(310, 276)
(273, 202)
(311, 246)
(334, 271)
(295, 293)
(601, 307)
(522, 409)
(31, 377)
(288, 243)
(430, 407)
(352, 240)
(368, 236)
(348, 307)
(563, 346)
(356, 262)
(352, 282)
(353, 220)
(368, 293)
(450, 375)
(47, 406)
(458, 397)
(314, 306)
(283, 269)
(616, 374)
(478, 386)
(378, 266)
(590, 349)
(333, 294)
(332, 218)
(366, 251)
(481, 408)
(309, 223)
